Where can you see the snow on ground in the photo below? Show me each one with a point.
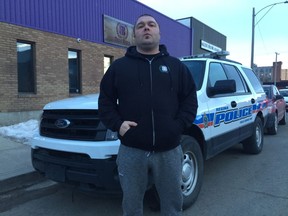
(21, 132)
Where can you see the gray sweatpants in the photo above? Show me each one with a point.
(166, 168)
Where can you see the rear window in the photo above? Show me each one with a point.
(254, 80)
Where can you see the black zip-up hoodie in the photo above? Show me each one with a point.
(158, 94)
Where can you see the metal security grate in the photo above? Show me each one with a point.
(83, 125)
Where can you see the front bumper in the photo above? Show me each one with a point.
(95, 149)
(77, 169)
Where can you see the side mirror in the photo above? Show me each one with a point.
(223, 87)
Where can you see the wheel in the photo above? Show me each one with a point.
(254, 143)
(192, 170)
(274, 128)
(283, 120)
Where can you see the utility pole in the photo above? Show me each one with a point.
(254, 14)
(275, 69)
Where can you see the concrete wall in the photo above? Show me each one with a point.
(11, 118)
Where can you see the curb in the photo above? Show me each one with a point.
(19, 181)
(23, 188)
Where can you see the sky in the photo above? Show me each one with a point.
(22, 132)
(233, 18)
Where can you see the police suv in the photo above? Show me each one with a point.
(74, 147)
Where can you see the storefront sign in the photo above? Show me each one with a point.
(117, 32)
(210, 47)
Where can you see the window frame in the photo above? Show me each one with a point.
(240, 81)
(111, 59)
(78, 88)
(32, 87)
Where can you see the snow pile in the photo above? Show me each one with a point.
(21, 132)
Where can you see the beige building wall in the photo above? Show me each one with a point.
(284, 74)
(51, 58)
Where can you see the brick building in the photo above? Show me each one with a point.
(270, 74)
(54, 49)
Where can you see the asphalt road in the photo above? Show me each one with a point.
(235, 184)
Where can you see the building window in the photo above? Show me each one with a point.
(26, 67)
(107, 62)
(74, 71)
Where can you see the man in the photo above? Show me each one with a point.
(149, 97)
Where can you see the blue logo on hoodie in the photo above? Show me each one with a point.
(163, 69)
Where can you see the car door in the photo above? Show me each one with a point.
(225, 131)
(280, 103)
(248, 103)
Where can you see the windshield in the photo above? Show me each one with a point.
(197, 69)
(267, 91)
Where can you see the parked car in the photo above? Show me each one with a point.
(276, 109)
(284, 93)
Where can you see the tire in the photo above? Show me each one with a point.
(254, 144)
(274, 128)
(283, 120)
(192, 170)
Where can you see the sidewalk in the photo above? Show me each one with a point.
(19, 182)
(16, 170)
(15, 159)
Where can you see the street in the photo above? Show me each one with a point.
(235, 184)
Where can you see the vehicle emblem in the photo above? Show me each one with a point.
(62, 123)
(205, 120)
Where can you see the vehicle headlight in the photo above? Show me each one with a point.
(111, 135)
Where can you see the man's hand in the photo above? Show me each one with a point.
(126, 125)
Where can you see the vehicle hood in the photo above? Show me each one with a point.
(81, 102)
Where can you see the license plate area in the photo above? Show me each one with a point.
(56, 173)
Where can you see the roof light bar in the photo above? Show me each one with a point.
(215, 55)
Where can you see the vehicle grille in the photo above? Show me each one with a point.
(84, 125)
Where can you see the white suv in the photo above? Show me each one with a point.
(74, 147)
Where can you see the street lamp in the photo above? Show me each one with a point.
(253, 26)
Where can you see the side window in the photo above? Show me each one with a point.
(253, 79)
(275, 90)
(74, 71)
(233, 73)
(107, 62)
(216, 72)
(26, 67)
(267, 92)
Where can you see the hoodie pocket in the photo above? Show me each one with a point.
(140, 135)
(167, 130)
